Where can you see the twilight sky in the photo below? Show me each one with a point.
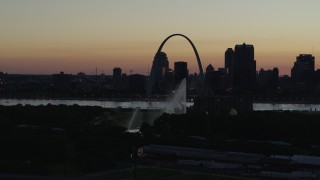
(48, 36)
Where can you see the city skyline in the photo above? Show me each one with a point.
(44, 37)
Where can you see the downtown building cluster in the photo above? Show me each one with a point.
(239, 76)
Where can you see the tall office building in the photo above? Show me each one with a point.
(303, 68)
(159, 71)
(117, 83)
(180, 71)
(212, 79)
(228, 60)
(268, 80)
(229, 65)
(209, 69)
(160, 66)
(244, 68)
(117, 73)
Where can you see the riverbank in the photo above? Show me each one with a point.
(149, 104)
(292, 100)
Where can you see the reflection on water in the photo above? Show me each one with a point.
(148, 104)
(289, 107)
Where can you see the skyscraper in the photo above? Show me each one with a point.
(209, 69)
(244, 68)
(117, 83)
(229, 65)
(303, 68)
(116, 73)
(212, 79)
(228, 59)
(180, 71)
(268, 80)
(160, 68)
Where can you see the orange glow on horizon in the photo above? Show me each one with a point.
(77, 35)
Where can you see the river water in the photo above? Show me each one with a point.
(149, 104)
(101, 103)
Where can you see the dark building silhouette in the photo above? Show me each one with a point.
(212, 79)
(303, 69)
(317, 77)
(240, 73)
(160, 69)
(180, 71)
(230, 88)
(169, 82)
(117, 73)
(2, 79)
(228, 60)
(244, 68)
(137, 83)
(223, 77)
(62, 81)
(117, 78)
(268, 80)
(229, 65)
(317, 83)
(161, 65)
(209, 68)
(215, 80)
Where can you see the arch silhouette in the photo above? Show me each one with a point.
(195, 51)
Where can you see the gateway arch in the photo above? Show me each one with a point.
(152, 74)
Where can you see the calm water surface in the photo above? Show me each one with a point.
(105, 104)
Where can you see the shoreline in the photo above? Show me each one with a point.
(286, 102)
(155, 100)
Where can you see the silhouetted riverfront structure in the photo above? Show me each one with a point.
(243, 69)
(240, 64)
(62, 81)
(231, 87)
(2, 78)
(229, 60)
(303, 69)
(117, 73)
(180, 71)
(117, 81)
(214, 80)
(268, 80)
(153, 73)
(136, 83)
(160, 69)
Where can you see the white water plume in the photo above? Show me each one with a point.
(178, 103)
